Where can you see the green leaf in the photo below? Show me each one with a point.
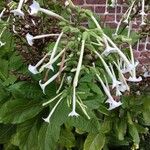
(48, 136)
(95, 88)
(85, 125)
(120, 127)
(67, 138)
(27, 135)
(6, 131)
(104, 110)
(49, 133)
(18, 111)
(94, 142)
(134, 133)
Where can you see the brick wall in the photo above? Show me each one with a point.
(142, 48)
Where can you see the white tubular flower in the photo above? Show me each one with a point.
(2, 43)
(43, 85)
(73, 112)
(121, 54)
(18, 11)
(66, 3)
(123, 86)
(30, 38)
(114, 81)
(35, 8)
(113, 3)
(133, 77)
(51, 100)
(52, 59)
(106, 8)
(146, 74)
(129, 12)
(75, 81)
(83, 109)
(116, 14)
(117, 83)
(108, 48)
(112, 103)
(33, 69)
(2, 12)
(142, 13)
(52, 111)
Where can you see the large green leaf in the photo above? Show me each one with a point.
(17, 111)
(85, 125)
(49, 133)
(27, 135)
(94, 142)
(6, 131)
(48, 137)
(134, 133)
(67, 138)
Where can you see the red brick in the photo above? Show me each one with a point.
(99, 9)
(124, 9)
(111, 25)
(137, 54)
(112, 9)
(148, 46)
(89, 7)
(78, 2)
(110, 18)
(120, 1)
(95, 1)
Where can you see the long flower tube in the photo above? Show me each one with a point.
(142, 13)
(120, 53)
(114, 80)
(106, 8)
(113, 3)
(30, 38)
(133, 77)
(112, 103)
(18, 11)
(33, 69)
(116, 13)
(75, 81)
(52, 111)
(49, 64)
(123, 86)
(118, 93)
(43, 85)
(35, 8)
(108, 48)
(119, 24)
(51, 100)
(54, 50)
(129, 12)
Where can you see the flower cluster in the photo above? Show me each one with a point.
(123, 64)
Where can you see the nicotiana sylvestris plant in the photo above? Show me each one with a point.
(78, 51)
(119, 83)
